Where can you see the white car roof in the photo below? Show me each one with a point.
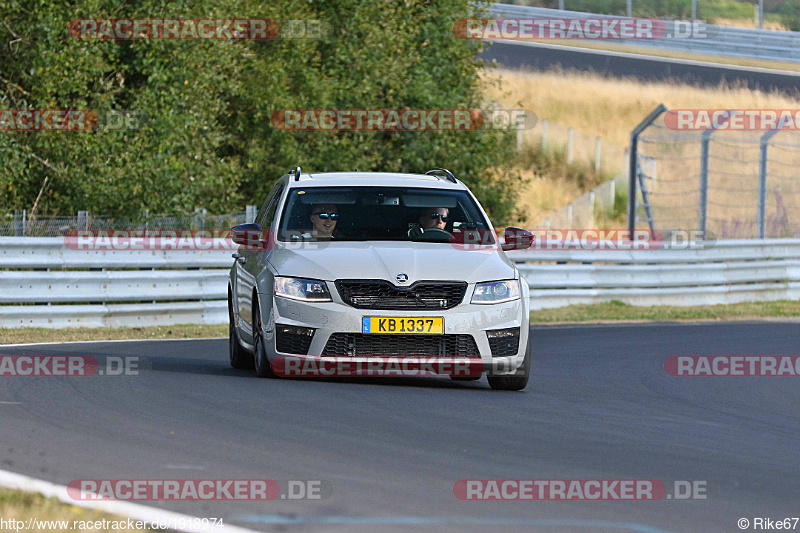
(385, 179)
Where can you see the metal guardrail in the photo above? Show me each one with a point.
(105, 288)
(718, 40)
(727, 272)
(45, 284)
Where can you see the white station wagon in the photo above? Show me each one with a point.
(368, 264)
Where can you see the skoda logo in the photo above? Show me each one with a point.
(401, 278)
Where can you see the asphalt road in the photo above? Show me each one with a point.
(599, 406)
(536, 56)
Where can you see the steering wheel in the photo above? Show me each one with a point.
(434, 235)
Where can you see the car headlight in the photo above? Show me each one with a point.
(495, 292)
(307, 290)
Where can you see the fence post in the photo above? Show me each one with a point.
(762, 181)
(83, 220)
(200, 217)
(597, 151)
(702, 208)
(544, 135)
(633, 163)
(250, 213)
(570, 135)
(613, 193)
(569, 215)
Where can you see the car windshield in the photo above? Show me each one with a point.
(380, 214)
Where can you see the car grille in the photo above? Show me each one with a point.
(506, 345)
(380, 294)
(422, 345)
(293, 340)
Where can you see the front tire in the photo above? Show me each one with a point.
(263, 368)
(238, 357)
(519, 379)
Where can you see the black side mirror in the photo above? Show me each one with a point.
(517, 239)
(246, 234)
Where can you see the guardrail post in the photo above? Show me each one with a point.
(520, 126)
(762, 181)
(633, 163)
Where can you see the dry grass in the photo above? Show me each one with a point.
(22, 506)
(751, 23)
(617, 311)
(610, 107)
(183, 331)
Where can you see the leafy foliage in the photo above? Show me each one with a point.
(206, 139)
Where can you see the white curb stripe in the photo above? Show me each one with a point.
(127, 509)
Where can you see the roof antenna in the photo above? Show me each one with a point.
(296, 173)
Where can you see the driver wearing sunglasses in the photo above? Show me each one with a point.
(434, 218)
(323, 221)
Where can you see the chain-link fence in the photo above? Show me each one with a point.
(21, 225)
(577, 146)
(721, 183)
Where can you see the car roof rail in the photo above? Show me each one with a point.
(296, 173)
(438, 171)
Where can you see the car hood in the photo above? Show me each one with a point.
(385, 260)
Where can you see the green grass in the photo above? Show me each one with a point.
(183, 331)
(19, 505)
(618, 311)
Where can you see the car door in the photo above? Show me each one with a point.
(245, 281)
(253, 259)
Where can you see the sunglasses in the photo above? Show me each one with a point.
(326, 216)
(437, 216)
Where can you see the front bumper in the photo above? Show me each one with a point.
(329, 318)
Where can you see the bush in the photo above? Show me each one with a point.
(790, 15)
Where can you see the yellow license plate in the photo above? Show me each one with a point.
(396, 324)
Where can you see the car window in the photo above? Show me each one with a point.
(379, 213)
(263, 211)
(273, 206)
